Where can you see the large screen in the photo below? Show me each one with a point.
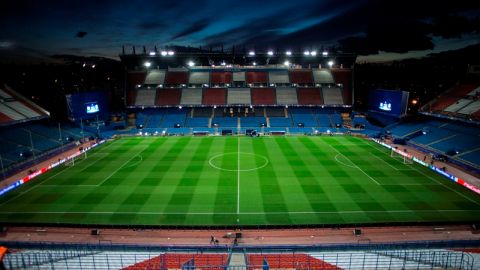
(86, 105)
(393, 102)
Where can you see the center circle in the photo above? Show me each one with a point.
(238, 161)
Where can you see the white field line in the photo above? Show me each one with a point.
(243, 213)
(375, 181)
(238, 176)
(119, 168)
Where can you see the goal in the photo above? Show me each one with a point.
(401, 156)
(70, 162)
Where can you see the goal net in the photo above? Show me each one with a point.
(406, 159)
(71, 161)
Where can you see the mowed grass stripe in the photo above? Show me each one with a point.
(141, 191)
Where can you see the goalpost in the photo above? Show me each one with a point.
(70, 162)
(404, 157)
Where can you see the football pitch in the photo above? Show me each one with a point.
(217, 181)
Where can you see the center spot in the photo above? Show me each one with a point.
(230, 161)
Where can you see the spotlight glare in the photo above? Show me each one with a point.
(325, 53)
(163, 53)
(286, 63)
(191, 63)
(313, 53)
(147, 64)
(152, 53)
(330, 63)
(288, 53)
(270, 53)
(251, 53)
(170, 53)
(306, 53)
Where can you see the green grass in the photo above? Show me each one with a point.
(239, 180)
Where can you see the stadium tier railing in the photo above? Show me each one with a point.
(415, 255)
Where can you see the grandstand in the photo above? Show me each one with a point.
(249, 157)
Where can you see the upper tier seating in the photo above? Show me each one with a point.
(155, 77)
(176, 78)
(239, 76)
(263, 96)
(199, 78)
(256, 77)
(239, 96)
(301, 77)
(221, 78)
(191, 96)
(135, 78)
(323, 76)
(332, 96)
(470, 108)
(286, 96)
(214, 96)
(278, 77)
(145, 97)
(309, 96)
(168, 97)
(344, 77)
(15, 108)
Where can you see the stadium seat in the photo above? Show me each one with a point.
(301, 77)
(239, 96)
(214, 96)
(220, 78)
(286, 96)
(263, 96)
(256, 77)
(176, 78)
(309, 96)
(168, 97)
(155, 77)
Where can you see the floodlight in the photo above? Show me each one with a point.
(251, 53)
(286, 63)
(325, 53)
(191, 63)
(152, 53)
(313, 53)
(163, 53)
(147, 64)
(170, 53)
(270, 53)
(330, 63)
(306, 53)
(223, 63)
(288, 53)
(93, 66)
(254, 63)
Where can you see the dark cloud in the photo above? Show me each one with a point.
(81, 34)
(151, 25)
(193, 28)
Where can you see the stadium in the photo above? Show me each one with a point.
(239, 158)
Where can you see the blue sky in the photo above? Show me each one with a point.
(377, 29)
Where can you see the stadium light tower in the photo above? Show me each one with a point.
(288, 53)
(191, 63)
(147, 64)
(330, 63)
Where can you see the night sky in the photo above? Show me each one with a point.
(380, 30)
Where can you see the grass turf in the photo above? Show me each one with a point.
(239, 180)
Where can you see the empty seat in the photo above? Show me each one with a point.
(301, 77)
(176, 78)
(239, 76)
(470, 108)
(155, 77)
(239, 96)
(199, 78)
(309, 96)
(221, 78)
(263, 96)
(332, 96)
(145, 97)
(214, 96)
(286, 96)
(278, 77)
(191, 96)
(256, 77)
(168, 97)
(135, 78)
(323, 76)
